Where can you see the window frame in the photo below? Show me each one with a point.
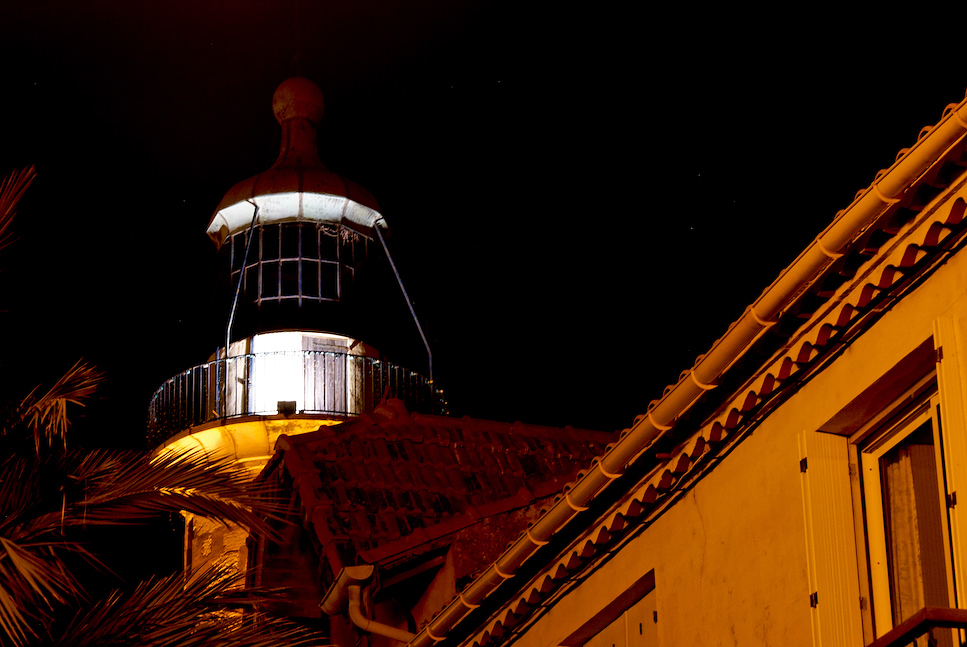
(890, 427)
(333, 265)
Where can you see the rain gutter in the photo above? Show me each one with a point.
(662, 414)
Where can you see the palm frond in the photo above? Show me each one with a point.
(46, 416)
(12, 189)
(18, 490)
(13, 623)
(31, 564)
(32, 580)
(171, 481)
(168, 612)
(119, 488)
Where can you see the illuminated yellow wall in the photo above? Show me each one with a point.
(730, 557)
(251, 442)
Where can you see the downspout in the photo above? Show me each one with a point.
(371, 626)
(708, 369)
(345, 594)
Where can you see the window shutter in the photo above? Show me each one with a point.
(949, 337)
(834, 595)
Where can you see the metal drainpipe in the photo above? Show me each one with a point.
(241, 276)
(707, 370)
(429, 353)
(371, 626)
(345, 593)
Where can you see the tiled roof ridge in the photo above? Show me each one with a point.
(475, 514)
(392, 484)
(892, 189)
(382, 420)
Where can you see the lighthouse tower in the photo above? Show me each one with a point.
(295, 240)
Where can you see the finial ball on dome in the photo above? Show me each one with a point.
(298, 98)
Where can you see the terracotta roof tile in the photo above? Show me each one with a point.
(389, 483)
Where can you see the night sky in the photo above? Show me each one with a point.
(580, 203)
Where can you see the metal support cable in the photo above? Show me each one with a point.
(409, 304)
(241, 275)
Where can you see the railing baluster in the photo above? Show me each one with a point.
(338, 384)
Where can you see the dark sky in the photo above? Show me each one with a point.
(580, 202)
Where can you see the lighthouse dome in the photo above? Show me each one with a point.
(298, 187)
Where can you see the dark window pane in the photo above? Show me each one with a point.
(346, 247)
(290, 240)
(252, 282)
(310, 279)
(270, 280)
(270, 243)
(328, 237)
(290, 278)
(346, 277)
(328, 281)
(310, 241)
(359, 251)
(238, 251)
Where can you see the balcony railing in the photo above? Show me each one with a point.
(317, 382)
(920, 628)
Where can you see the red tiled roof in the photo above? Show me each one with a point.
(391, 484)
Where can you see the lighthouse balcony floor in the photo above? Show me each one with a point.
(286, 382)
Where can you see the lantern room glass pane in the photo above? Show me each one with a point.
(327, 286)
(290, 240)
(270, 243)
(346, 247)
(290, 278)
(238, 251)
(270, 280)
(252, 281)
(359, 250)
(310, 241)
(310, 279)
(328, 239)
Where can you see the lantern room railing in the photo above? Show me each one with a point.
(290, 382)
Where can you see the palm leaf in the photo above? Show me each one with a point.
(135, 486)
(12, 189)
(28, 561)
(12, 621)
(32, 580)
(101, 488)
(124, 488)
(167, 612)
(46, 416)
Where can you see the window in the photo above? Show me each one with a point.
(636, 627)
(899, 456)
(630, 620)
(298, 262)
